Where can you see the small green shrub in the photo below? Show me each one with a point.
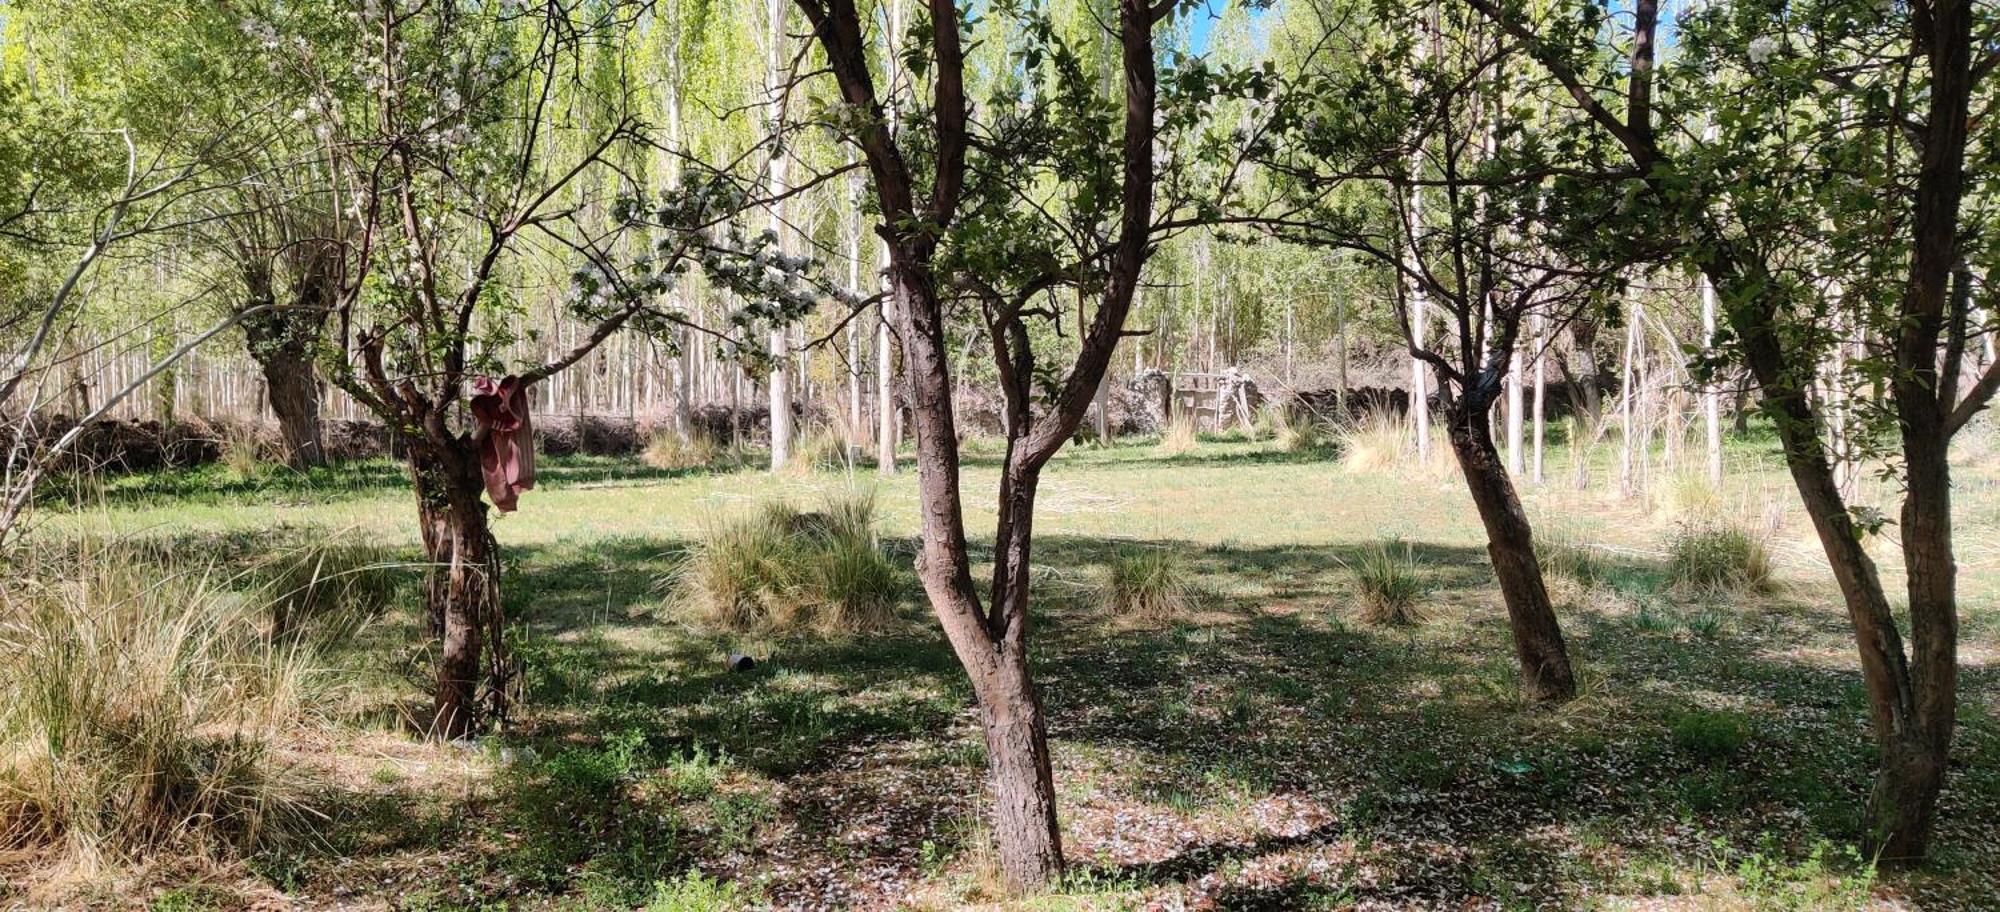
(669, 451)
(780, 568)
(1389, 580)
(1710, 735)
(1150, 584)
(1717, 557)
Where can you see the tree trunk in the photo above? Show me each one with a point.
(1903, 807)
(295, 395)
(1022, 778)
(461, 593)
(1538, 642)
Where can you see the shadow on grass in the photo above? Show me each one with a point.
(1404, 740)
(216, 484)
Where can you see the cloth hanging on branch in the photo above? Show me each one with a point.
(506, 438)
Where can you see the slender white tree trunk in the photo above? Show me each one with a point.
(1541, 390)
(779, 382)
(1627, 392)
(885, 359)
(1711, 396)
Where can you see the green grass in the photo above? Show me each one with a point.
(1261, 754)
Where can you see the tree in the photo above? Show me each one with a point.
(1002, 215)
(1341, 140)
(189, 81)
(1845, 130)
(439, 124)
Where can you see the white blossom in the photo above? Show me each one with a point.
(1762, 47)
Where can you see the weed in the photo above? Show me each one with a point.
(1711, 736)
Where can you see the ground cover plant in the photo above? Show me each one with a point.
(1269, 748)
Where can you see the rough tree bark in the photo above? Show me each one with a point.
(1538, 641)
(461, 589)
(283, 339)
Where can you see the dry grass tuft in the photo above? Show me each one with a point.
(780, 569)
(1149, 584)
(1180, 436)
(671, 452)
(139, 706)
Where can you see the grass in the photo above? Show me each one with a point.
(1264, 752)
(1375, 442)
(1389, 582)
(1149, 584)
(778, 568)
(1180, 436)
(140, 701)
(669, 451)
(1718, 556)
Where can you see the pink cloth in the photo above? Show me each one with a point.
(506, 438)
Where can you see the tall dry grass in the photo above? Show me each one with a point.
(140, 703)
(781, 568)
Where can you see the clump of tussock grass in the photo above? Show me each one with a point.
(1150, 584)
(780, 568)
(1305, 433)
(1179, 436)
(140, 706)
(1565, 556)
(1388, 579)
(669, 451)
(820, 447)
(1374, 441)
(244, 455)
(335, 580)
(1688, 494)
(1718, 556)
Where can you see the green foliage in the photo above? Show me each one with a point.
(693, 892)
(779, 569)
(1389, 581)
(1150, 584)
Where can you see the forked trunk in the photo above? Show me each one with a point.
(1911, 718)
(461, 595)
(1546, 675)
